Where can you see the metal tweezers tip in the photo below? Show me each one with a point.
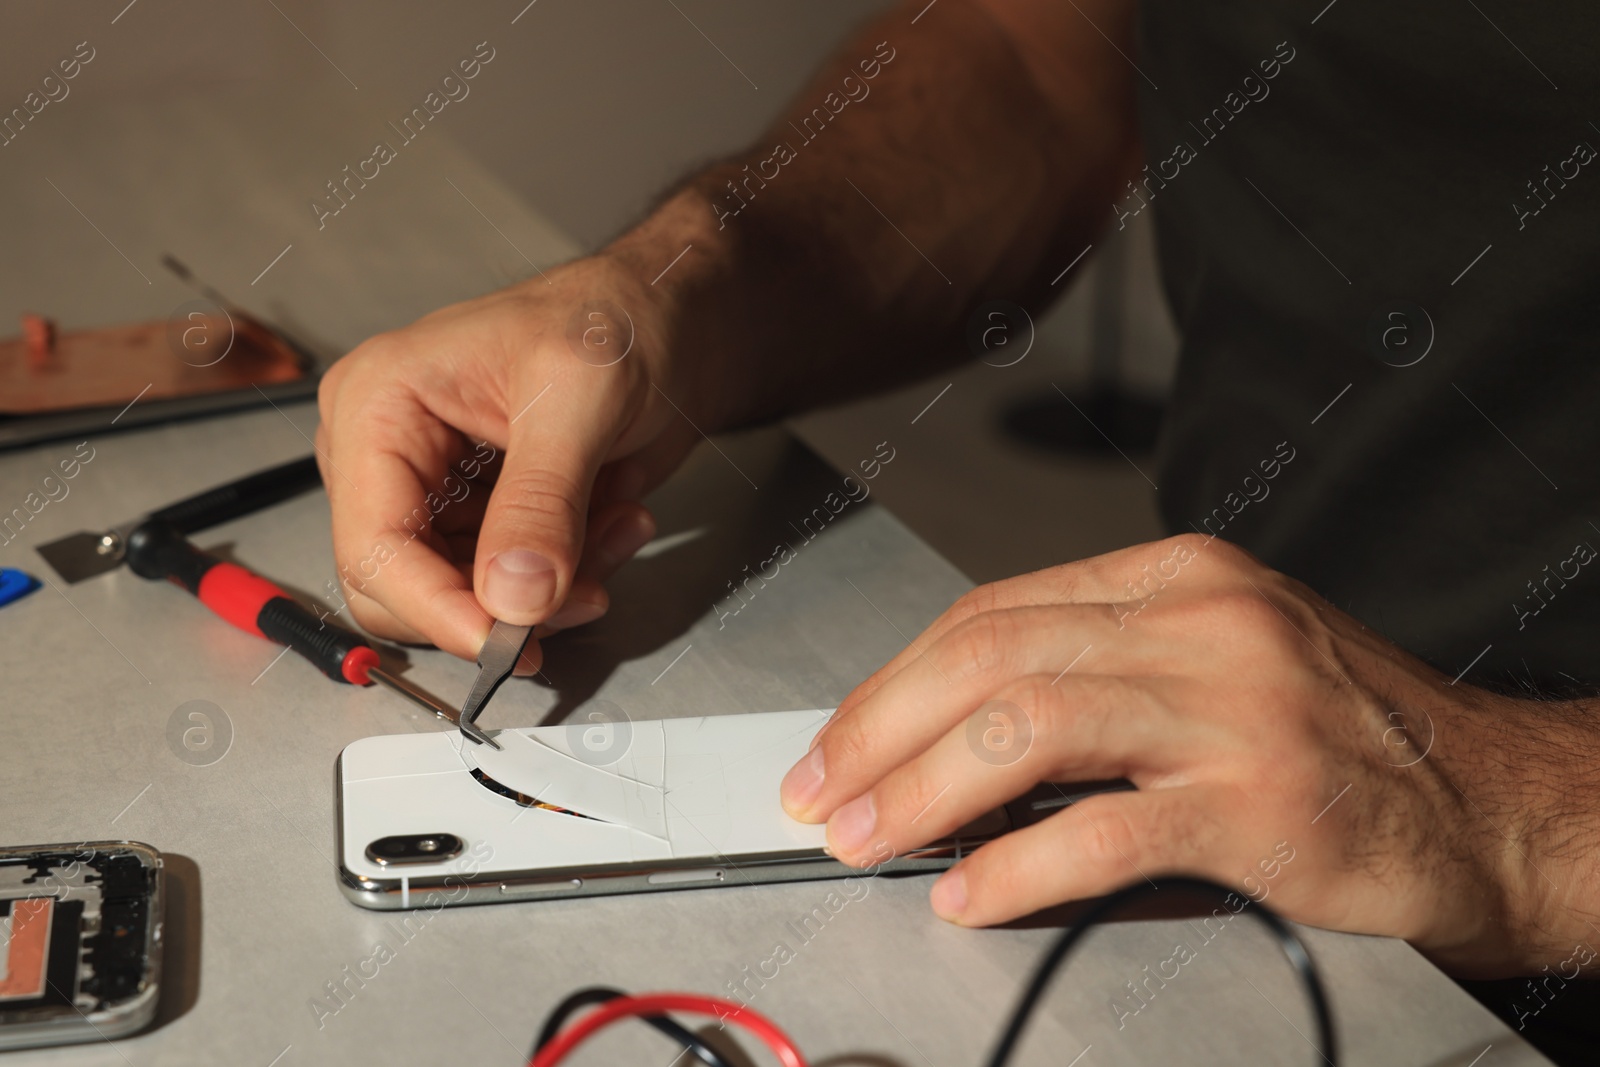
(472, 732)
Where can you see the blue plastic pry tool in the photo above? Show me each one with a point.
(15, 584)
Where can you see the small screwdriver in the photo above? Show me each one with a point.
(157, 549)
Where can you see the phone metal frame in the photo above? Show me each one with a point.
(647, 876)
(124, 1017)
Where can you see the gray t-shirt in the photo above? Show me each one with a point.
(1379, 228)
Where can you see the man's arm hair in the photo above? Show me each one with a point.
(936, 161)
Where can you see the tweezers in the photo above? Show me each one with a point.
(496, 660)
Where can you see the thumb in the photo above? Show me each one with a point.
(533, 527)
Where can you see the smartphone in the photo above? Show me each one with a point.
(592, 808)
(80, 941)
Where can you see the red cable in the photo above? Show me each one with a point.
(656, 1003)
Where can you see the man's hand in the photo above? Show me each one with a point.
(999, 130)
(1276, 743)
(488, 459)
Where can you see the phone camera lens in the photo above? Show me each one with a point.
(414, 848)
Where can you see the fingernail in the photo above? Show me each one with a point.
(519, 581)
(575, 613)
(949, 895)
(852, 824)
(803, 782)
(626, 536)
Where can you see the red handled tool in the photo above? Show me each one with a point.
(156, 547)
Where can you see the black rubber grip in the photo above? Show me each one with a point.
(159, 550)
(248, 494)
(324, 644)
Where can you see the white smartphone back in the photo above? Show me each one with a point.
(652, 804)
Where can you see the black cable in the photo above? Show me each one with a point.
(600, 995)
(1288, 940)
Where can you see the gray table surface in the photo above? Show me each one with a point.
(94, 673)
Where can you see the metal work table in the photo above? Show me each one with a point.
(257, 931)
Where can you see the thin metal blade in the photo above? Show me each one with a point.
(81, 555)
(427, 700)
(420, 697)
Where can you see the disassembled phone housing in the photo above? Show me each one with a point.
(427, 820)
(80, 941)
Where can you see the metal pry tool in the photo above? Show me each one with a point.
(83, 555)
(496, 660)
(156, 546)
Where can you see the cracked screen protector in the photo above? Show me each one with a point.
(580, 795)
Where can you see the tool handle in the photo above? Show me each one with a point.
(241, 497)
(249, 601)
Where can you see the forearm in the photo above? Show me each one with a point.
(1534, 778)
(926, 168)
